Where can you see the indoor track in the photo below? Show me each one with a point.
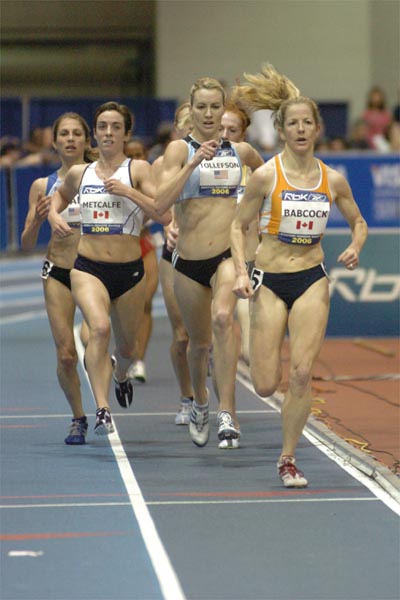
(146, 515)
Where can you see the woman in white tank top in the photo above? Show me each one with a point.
(108, 279)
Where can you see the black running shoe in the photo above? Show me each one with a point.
(123, 392)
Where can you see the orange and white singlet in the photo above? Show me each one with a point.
(296, 215)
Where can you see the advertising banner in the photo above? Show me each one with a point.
(366, 301)
(375, 182)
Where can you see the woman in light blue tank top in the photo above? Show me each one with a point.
(200, 176)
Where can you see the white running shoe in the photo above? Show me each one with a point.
(290, 474)
(199, 426)
(226, 427)
(229, 444)
(183, 416)
(137, 371)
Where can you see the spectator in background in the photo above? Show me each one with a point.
(358, 139)
(322, 147)
(165, 134)
(337, 144)
(40, 150)
(261, 132)
(35, 141)
(393, 135)
(10, 153)
(376, 115)
(396, 108)
(390, 140)
(136, 148)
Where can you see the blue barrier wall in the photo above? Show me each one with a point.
(366, 301)
(11, 117)
(3, 210)
(42, 112)
(375, 182)
(23, 178)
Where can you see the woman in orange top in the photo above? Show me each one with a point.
(292, 193)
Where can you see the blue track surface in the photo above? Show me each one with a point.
(146, 515)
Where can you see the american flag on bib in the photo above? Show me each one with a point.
(221, 174)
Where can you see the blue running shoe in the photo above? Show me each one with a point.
(77, 432)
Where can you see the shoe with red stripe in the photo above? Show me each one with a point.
(290, 474)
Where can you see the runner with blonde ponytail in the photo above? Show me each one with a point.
(288, 287)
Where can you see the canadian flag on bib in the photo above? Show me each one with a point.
(101, 214)
(301, 225)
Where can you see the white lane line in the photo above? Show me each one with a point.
(166, 575)
(128, 414)
(186, 502)
(368, 482)
(259, 501)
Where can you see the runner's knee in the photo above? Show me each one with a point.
(67, 359)
(266, 383)
(300, 376)
(222, 319)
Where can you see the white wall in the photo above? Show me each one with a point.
(327, 47)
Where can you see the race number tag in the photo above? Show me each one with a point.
(46, 268)
(221, 175)
(304, 217)
(101, 213)
(256, 278)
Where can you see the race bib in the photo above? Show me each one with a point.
(72, 215)
(303, 220)
(256, 278)
(100, 214)
(46, 268)
(221, 175)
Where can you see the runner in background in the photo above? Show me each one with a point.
(234, 125)
(71, 140)
(178, 348)
(136, 149)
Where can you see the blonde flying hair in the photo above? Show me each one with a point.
(270, 89)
